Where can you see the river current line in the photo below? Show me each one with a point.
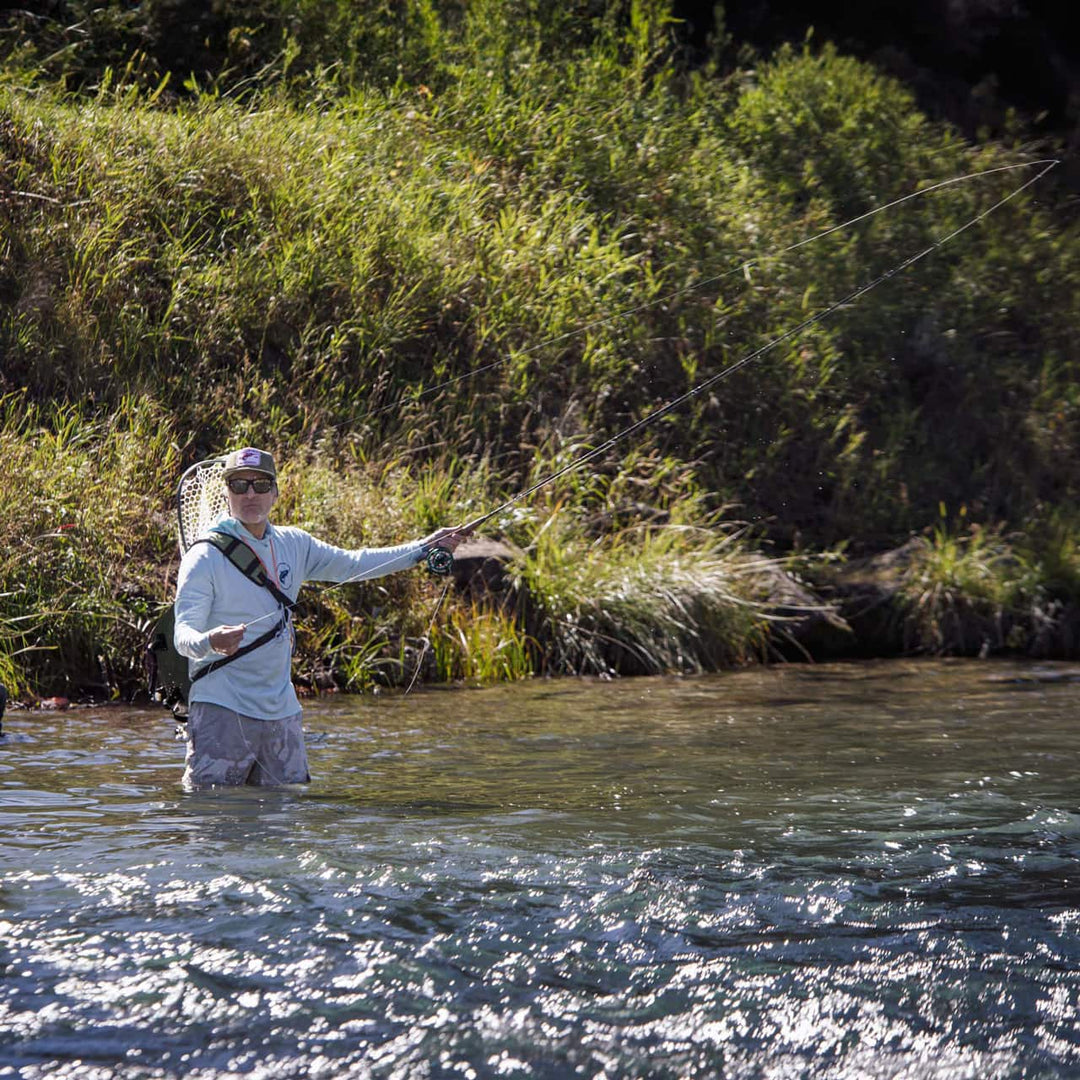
(819, 316)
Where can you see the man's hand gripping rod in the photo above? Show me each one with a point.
(439, 559)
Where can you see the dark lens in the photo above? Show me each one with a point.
(238, 485)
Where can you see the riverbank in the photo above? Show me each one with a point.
(942, 596)
(427, 296)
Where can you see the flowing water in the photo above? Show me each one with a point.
(833, 871)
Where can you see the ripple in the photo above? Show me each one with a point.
(648, 879)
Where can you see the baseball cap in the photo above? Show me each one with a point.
(250, 458)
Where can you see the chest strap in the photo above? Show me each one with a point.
(250, 565)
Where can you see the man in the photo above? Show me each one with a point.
(244, 719)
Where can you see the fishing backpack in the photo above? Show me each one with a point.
(167, 671)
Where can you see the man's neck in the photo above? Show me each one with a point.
(258, 529)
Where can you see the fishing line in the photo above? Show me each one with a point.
(819, 316)
(786, 335)
(742, 267)
(254, 753)
(674, 403)
(701, 387)
(419, 666)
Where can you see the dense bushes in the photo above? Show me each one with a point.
(451, 247)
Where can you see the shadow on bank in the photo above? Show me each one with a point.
(868, 609)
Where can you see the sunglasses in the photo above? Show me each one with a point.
(239, 485)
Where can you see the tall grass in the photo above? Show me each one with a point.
(957, 588)
(977, 589)
(645, 600)
(91, 559)
(84, 538)
(1052, 545)
(479, 644)
(312, 268)
(428, 285)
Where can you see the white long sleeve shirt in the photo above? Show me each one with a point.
(211, 592)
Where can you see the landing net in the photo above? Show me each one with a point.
(200, 500)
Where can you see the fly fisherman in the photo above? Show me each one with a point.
(244, 719)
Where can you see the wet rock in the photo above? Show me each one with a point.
(480, 570)
(866, 594)
(804, 626)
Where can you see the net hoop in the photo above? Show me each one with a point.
(200, 500)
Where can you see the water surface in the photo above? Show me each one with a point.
(832, 871)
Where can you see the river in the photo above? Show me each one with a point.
(863, 871)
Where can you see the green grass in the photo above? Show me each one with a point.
(645, 600)
(958, 578)
(303, 270)
(85, 542)
(432, 268)
(1052, 546)
(479, 645)
(973, 588)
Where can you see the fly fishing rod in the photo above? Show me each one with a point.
(440, 560)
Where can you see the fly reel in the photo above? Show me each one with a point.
(440, 560)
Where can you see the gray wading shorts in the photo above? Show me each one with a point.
(228, 750)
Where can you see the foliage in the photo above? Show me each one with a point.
(973, 587)
(336, 268)
(479, 645)
(645, 600)
(84, 540)
(1052, 544)
(431, 252)
(954, 574)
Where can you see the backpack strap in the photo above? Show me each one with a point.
(250, 565)
(262, 639)
(247, 562)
